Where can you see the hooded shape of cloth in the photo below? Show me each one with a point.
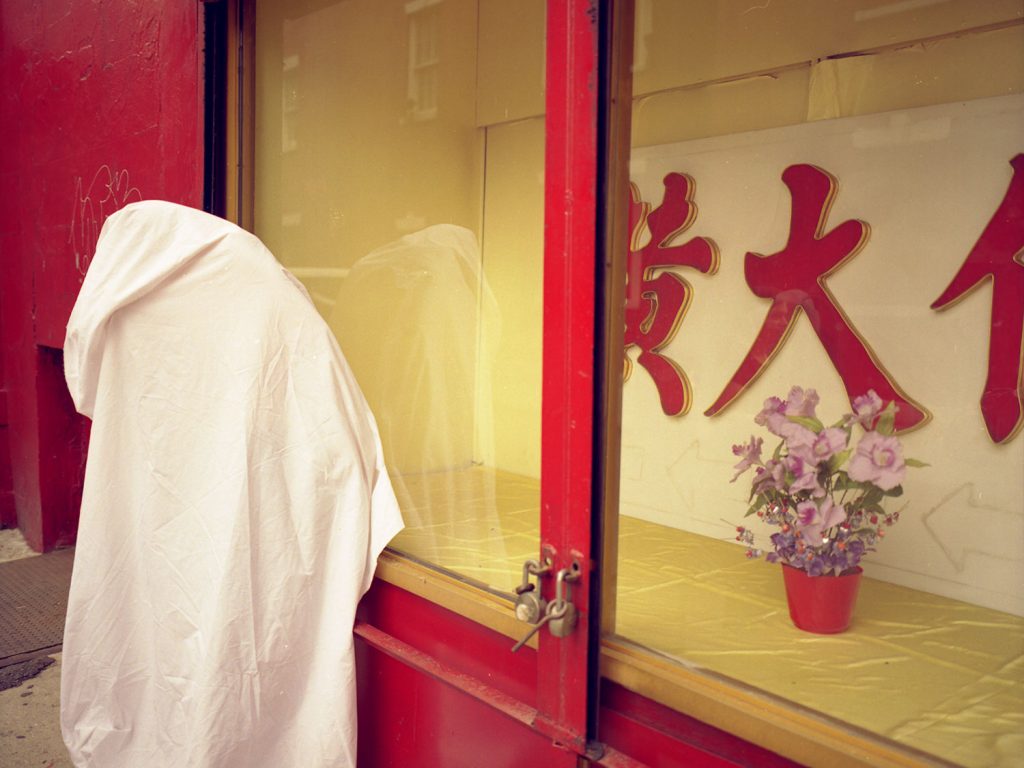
(235, 503)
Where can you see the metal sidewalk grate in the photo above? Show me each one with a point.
(33, 601)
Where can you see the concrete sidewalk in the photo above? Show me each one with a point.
(30, 708)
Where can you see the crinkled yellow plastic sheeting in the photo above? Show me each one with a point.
(935, 674)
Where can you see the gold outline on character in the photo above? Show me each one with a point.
(819, 232)
(649, 273)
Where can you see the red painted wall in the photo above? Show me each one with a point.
(100, 105)
(8, 515)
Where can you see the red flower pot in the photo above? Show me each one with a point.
(821, 604)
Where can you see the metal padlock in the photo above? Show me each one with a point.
(562, 621)
(530, 606)
(562, 613)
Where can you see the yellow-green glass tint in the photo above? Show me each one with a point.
(914, 110)
(399, 175)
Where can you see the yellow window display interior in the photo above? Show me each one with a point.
(938, 675)
(399, 175)
(416, 223)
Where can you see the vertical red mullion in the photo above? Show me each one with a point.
(570, 200)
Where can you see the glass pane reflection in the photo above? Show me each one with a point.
(399, 175)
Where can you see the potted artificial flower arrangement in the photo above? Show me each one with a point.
(825, 495)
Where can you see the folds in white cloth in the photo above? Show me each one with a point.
(235, 503)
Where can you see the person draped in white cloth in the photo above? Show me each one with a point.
(234, 506)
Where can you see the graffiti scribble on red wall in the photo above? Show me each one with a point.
(794, 280)
(656, 302)
(109, 191)
(999, 255)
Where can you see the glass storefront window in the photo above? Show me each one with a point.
(399, 174)
(399, 169)
(808, 186)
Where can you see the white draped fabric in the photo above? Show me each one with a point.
(235, 503)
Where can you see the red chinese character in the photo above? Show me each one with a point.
(794, 279)
(999, 255)
(657, 302)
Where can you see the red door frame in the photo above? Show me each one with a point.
(567, 448)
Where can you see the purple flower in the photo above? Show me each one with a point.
(814, 519)
(749, 454)
(770, 476)
(794, 487)
(855, 549)
(772, 415)
(772, 406)
(805, 475)
(806, 511)
(878, 460)
(865, 410)
(801, 402)
(836, 562)
(820, 447)
(796, 435)
(785, 549)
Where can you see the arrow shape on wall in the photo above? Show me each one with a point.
(962, 525)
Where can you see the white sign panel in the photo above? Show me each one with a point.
(926, 183)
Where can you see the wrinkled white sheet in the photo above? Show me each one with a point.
(235, 503)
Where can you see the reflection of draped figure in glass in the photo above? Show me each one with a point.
(420, 325)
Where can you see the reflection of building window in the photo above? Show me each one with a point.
(424, 57)
(289, 102)
(644, 21)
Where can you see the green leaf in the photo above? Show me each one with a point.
(894, 492)
(844, 483)
(915, 463)
(838, 460)
(760, 502)
(807, 421)
(873, 495)
(886, 423)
